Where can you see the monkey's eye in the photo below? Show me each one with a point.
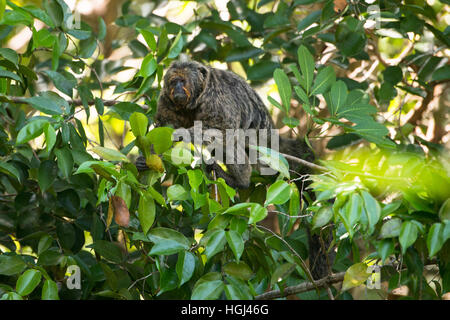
(177, 81)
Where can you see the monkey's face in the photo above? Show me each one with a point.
(183, 83)
(179, 91)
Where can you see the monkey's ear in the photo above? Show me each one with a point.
(204, 71)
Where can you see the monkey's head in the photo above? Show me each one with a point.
(183, 83)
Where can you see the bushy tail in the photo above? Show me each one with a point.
(321, 257)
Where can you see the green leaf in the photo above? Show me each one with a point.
(338, 96)
(350, 36)
(257, 213)
(50, 257)
(216, 243)
(126, 109)
(28, 281)
(2, 8)
(385, 248)
(179, 156)
(168, 280)
(373, 210)
(86, 167)
(9, 169)
(309, 20)
(444, 211)
(149, 39)
(441, 74)
(101, 29)
(262, 70)
(185, 267)
(167, 241)
(239, 270)
(44, 243)
(10, 75)
(107, 250)
(235, 242)
(49, 103)
(236, 293)
(163, 42)
(50, 290)
(351, 213)
(177, 192)
(278, 193)
(208, 290)
(55, 55)
(138, 123)
(273, 159)
(146, 211)
(435, 239)
(64, 161)
(282, 272)
(306, 62)
(15, 17)
(11, 296)
(11, 265)
(109, 154)
(393, 74)
(31, 131)
(99, 106)
(301, 94)
(148, 66)
(291, 122)
(275, 103)
(157, 196)
(66, 235)
(324, 80)
(322, 217)
(65, 83)
(88, 47)
(161, 138)
(408, 235)
(176, 46)
(355, 276)
(46, 174)
(55, 12)
(284, 88)
(50, 136)
(243, 53)
(239, 208)
(391, 228)
(9, 54)
(195, 178)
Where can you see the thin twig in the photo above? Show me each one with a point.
(288, 215)
(140, 279)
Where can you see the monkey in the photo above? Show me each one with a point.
(222, 100)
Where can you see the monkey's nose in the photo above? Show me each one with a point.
(180, 97)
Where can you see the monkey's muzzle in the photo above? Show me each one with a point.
(180, 95)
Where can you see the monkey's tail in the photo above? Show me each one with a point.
(321, 256)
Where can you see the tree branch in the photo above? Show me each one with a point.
(76, 102)
(303, 287)
(304, 162)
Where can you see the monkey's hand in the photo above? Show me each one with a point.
(140, 164)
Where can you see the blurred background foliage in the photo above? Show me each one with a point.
(366, 82)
